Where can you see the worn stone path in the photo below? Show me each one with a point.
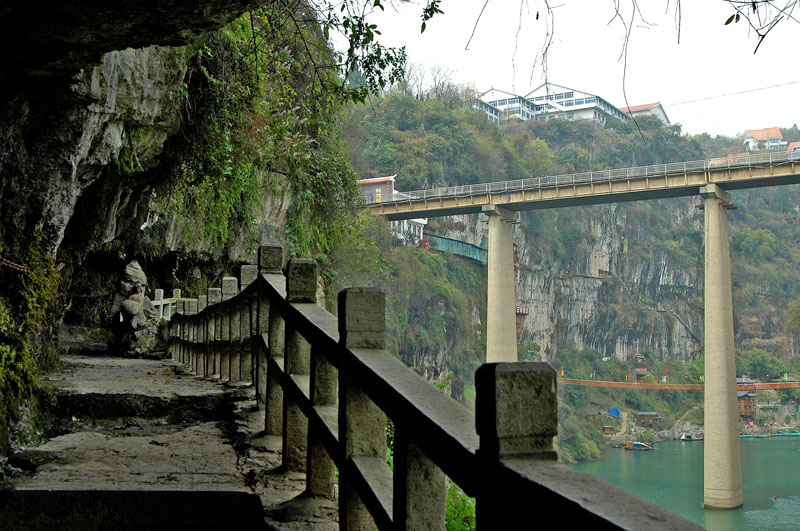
(140, 443)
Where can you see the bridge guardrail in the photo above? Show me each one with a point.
(327, 385)
(601, 176)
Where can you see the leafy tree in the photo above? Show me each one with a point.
(759, 245)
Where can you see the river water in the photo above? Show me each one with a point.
(672, 477)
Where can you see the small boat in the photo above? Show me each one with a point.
(754, 436)
(636, 445)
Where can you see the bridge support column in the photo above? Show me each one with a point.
(723, 458)
(501, 328)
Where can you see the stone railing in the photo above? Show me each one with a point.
(165, 307)
(327, 386)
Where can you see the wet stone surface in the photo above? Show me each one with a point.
(142, 443)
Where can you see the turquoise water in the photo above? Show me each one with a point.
(672, 477)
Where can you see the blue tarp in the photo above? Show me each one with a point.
(613, 411)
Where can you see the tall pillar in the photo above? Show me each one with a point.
(723, 458)
(501, 322)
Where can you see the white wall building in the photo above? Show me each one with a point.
(409, 231)
(546, 102)
(655, 109)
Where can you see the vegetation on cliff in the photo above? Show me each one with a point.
(437, 142)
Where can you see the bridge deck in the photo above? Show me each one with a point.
(606, 186)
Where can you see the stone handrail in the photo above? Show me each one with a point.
(600, 176)
(327, 386)
(165, 307)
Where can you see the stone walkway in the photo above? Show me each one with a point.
(140, 443)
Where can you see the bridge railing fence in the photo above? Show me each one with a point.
(327, 385)
(601, 176)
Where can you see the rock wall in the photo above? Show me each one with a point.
(84, 118)
(615, 293)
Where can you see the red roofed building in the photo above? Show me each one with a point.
(769, 138)
(656, 109)
(794, 146)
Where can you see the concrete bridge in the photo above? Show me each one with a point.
(710, 179)
(326, 386)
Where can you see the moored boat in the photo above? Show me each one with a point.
(636, 445)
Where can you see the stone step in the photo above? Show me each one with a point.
(119, 510)
(107, 387)
(142, 445)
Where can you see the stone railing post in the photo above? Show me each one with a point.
(202, 337)
(420, 491)
(230, 288)
(247, 275)
(270, 262)
(516, 416)
(191, 309)
(214, 297)
(362, 424)
(234, 349)
(158, 296)
(301, 287)
(180, 310)
(324, 387)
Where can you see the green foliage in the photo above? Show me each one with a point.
(429, 303)
(760, 365)
(759, 245)
(793, 320)
(437, 142)
(460, 514)
(24, 312)
(528, 351)
(261, 119)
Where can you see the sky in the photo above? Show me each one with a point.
(710, 62)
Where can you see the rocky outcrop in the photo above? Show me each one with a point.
(615, 293)
(110, 129)
(89, 93)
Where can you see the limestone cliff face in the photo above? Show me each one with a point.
(84, 118)
(615, 291)
(128, 108)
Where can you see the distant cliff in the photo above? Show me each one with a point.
(627, 278)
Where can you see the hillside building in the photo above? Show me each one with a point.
(546, 102)
(653, 109)
(769, 138)
(380, 189)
